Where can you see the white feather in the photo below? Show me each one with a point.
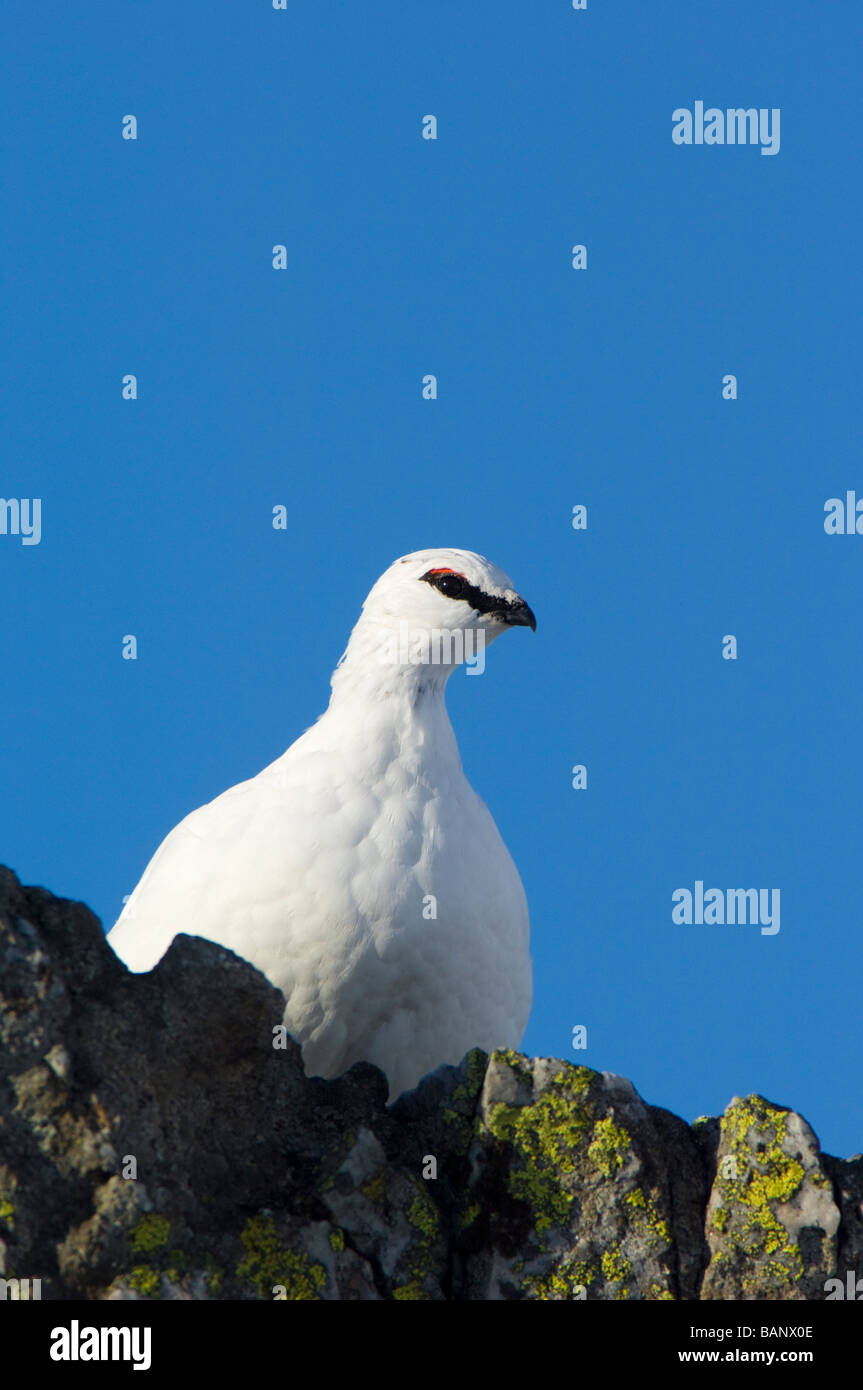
(318, 869)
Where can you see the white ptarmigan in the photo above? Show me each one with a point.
(360, 871)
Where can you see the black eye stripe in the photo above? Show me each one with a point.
(469, 593)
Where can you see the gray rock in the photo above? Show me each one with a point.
(155, 1143)
(772, 1220)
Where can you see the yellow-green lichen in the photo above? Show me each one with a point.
(7, 1213)
(616, 1268)
(577, 1077)
(150, 1234)
(459, 1114)
(475, 1069)
(149, 1237)
(462, 1126)
(516, 1061)
(608, 1146)
(375, 1190)
(545, 1137)
(424, 1215)
(337, 1239)
(145, 1280)
(645, 1211)
(269, 1264)
(414, 1291)
(469, 1216)
(567, 1282)
(614, 1265)
(754, 1132)
(214, 1275)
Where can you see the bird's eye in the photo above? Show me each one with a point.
(448, 582)
(451, 584)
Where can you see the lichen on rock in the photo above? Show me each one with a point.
(154, 1145)
(771, 1220)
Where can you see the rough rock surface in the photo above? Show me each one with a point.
(154, 1142)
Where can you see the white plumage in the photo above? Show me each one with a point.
(325, 870)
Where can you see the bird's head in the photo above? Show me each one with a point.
(448, 589)
(434, 609)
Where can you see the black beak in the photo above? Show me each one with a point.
(517, 614)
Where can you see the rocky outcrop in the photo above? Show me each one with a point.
(159, 1139)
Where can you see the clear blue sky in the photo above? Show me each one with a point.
(556, 387)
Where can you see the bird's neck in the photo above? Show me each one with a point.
(394, 706)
